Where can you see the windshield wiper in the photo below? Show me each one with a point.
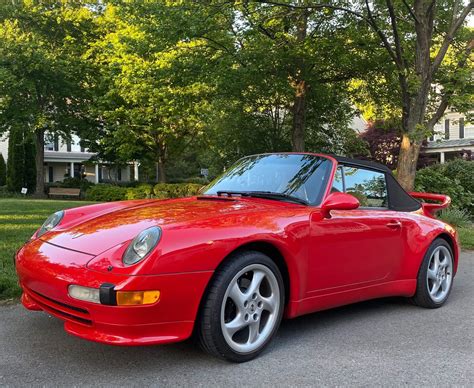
(264, 194)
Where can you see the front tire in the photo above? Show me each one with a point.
(435, 277)
(243, 308)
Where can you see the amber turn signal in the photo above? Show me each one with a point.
(134, 298)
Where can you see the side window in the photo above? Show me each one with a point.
(369, 187)
(337, 183)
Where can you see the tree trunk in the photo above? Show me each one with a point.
(414, 111)
(160, 171)
(301, 88)
(39, 159)
(407, 159)
(299, 117)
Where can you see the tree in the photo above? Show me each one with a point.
(21, 169)
(384, 140)
(42, 77)
(152, 90)
(3, 171)
(16, 161)
(307, 57)
(426, 46)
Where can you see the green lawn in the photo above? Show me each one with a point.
(466, 235)
(19, 218)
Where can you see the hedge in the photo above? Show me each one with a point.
(454, 178)
(108, 192)
(176, 190)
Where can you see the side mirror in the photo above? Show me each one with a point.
(339, 201)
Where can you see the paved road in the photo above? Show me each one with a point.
(385, 342)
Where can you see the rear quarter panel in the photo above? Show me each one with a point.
(418, 232)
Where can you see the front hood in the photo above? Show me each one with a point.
(99, 232)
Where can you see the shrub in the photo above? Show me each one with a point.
(176, 190)
(198, 180)
(76, 183)
(453, 179)
(143, 191)
(5, 193)
(463, 171)
(455, 217)
(106, 193)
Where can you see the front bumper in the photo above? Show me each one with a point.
(45, 271)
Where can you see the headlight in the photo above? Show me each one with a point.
(142, 245)
(86, 294)
(52, 221)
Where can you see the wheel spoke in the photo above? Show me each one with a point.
(237, 296)
(269, 304)
(435, 288)
(235, 325)
(444, 262)
(431, 274)
(253, 332)
(436, 261)
(254, 286)
(444, 284)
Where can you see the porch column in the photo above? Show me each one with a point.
(96, 173)
(72, 170)
(441, 157)
(135, 171)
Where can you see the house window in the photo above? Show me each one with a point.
(82, 148)
(446, 129)
(49, 146)
(119, 174)
(77, 170)
(56, 143)
(461, 128)
(50, 174)
(69, 146)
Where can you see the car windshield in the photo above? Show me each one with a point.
(298, 177)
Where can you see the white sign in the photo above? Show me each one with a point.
(24, 190)
(205, 172)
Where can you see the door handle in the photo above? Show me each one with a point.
(394, 224)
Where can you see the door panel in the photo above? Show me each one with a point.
(353, 248)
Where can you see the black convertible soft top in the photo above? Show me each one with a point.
(398, 198)
(362, 163)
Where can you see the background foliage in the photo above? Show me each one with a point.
(455, 178)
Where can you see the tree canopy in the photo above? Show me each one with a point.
(177, 85)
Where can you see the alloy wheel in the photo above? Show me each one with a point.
(250, 308)
(439, 275)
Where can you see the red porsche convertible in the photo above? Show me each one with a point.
(276, 235)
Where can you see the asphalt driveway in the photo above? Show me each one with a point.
(383, 342)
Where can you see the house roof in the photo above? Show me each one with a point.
(57, 156)
(450, 143)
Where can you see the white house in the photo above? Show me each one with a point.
(453, 137)
(64, 159)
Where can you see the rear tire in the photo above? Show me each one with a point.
(435, 277)
(243, 307)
